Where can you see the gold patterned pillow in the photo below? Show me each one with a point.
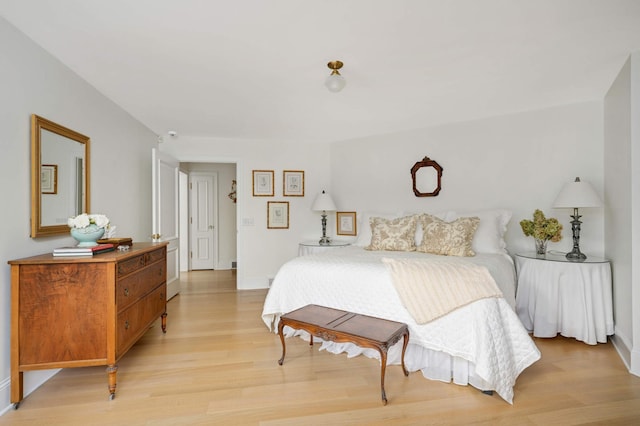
(448, 238)
(393, 234)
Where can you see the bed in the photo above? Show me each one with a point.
(482, 343)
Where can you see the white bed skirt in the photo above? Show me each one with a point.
(434, 365)
(482, 344)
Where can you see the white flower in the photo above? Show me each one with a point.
(83, 220)
(100, 220)
(80, 221)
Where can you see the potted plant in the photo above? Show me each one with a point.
(88, 228)
(542, 230)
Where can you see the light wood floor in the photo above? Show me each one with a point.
(217, 364)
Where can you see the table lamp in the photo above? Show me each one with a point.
(323, 203)
(577, 195)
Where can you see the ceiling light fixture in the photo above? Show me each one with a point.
(335, 82)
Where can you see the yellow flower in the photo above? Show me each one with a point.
(542, 228)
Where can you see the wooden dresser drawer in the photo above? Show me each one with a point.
(134, 321)
(136, 285)
(138, 262)
(130, 265)
(156, 255)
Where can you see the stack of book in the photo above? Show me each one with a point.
(83, 251)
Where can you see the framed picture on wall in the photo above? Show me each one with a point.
(49, 179)
(263, 183)
(293, 183)
(277, 215)
(346, 223)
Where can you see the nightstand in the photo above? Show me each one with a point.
(556, 295)
(314, 247)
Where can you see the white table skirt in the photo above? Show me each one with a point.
(312, 247)
(573, 299)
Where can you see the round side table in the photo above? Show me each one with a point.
(557, 295)
(314, 247)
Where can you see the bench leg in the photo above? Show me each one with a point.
(281, 334)
(383, 365)
(383, 369)
(404, 348)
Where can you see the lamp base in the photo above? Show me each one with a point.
(576, 255)
(324, 241)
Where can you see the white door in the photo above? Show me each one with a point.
(203, 220)
(184, 221)
(166, 224)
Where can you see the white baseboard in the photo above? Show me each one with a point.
(225, 264)
(622, 349)
(5, 396)
(32, 380)
(635, 362)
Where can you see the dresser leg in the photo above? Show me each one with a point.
(16, 387)
(164, 322)
(111, 371)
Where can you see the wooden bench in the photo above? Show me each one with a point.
(341, 326)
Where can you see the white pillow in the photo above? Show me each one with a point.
(489, 237)
(364, 228)
(447, 216)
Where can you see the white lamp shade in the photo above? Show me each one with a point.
(577, 195)
(323, 202)
(335, 83)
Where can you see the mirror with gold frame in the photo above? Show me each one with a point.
(427, 178)
(59, 176)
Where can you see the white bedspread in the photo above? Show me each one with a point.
(482, 344)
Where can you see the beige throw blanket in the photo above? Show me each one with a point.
(431, 288)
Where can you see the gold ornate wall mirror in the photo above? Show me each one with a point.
(59, 176)
(427, 178)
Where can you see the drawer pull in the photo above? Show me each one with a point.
(126, 325)
(126, 291)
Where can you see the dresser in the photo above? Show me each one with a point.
(84, 311)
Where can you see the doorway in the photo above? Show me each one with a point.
(211, 214)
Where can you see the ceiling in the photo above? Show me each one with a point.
(254, 69)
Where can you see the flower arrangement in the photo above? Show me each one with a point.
(542, 229)
(84, 220)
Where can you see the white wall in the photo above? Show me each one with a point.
(32, 82)
(227, 211)
(517, 162)
(622, 185)
(635, 178)
(262, 251)
(618, 203)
